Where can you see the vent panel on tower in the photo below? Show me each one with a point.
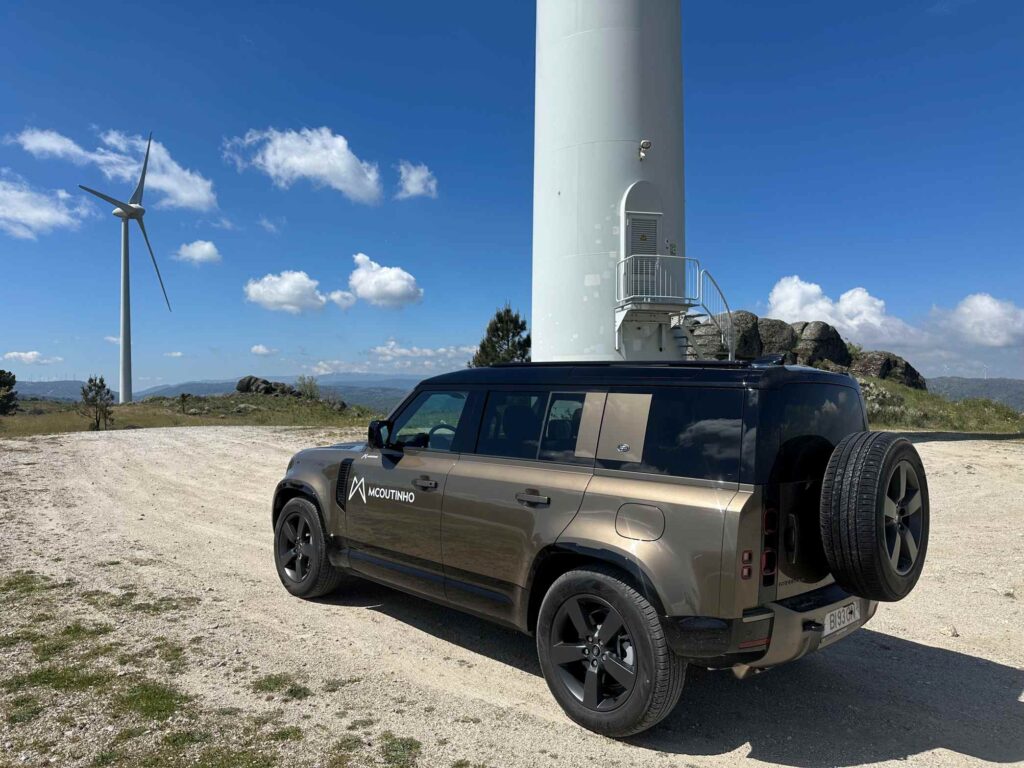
(643, 236)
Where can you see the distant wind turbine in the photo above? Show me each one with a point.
(126, 211)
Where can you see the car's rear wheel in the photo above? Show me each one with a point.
(875, 515)
(300, 551)
(604, 655)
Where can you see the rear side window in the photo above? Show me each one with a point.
(684, 432)
(512, 424)
(812, 419)
(535, 425)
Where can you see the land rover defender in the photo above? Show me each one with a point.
(634, 518)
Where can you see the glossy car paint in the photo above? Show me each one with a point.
(471, 544)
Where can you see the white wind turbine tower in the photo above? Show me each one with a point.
(126, 212)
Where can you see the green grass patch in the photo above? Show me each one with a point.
(164, 605)
(336, 684)
(297, 691)
(24, 583)
(361, 724)
(399, 751)
(24, 709)
(150, 699)
(273, 683)
(71, 677)
(288, 733)
(70, 637)
(127, 734)
(107, 757)
(17, 638)
(182, 739)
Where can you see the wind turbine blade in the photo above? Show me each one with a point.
(143, 228)
(108, 198)
(137, 194)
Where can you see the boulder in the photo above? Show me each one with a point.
(707, 342)
(821, 341)
(746, 334)
(777, 338)
(257, 386)
(886, 365)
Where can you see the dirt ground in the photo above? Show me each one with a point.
(181, 516)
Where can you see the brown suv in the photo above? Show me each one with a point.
(635, 518)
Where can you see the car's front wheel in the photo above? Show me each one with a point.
(300, 551)
(604, 654)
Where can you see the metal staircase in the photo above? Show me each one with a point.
(676, 290)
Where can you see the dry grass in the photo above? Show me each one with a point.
(45, 417)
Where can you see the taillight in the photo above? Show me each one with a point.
(769, 562)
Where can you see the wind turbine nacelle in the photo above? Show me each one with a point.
(130, 211)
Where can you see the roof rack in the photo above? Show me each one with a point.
(632, 364)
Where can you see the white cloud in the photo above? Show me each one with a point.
(273, 227)
(857, 314)
(344, 299)
(315, 154)
(198, 252)
(984, 320)
(417, 180)
(225, 223)
(262, 350)
(383, 286)
(966, 340)
(26, 213)
(119, 158)
(392, 351)
(32, 358)
(113, 339)
(292, 292)
(174, 354)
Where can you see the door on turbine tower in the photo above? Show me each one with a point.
(644, 268)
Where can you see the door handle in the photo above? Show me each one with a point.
(425, 483)
(532, 498)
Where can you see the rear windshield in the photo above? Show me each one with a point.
(807, 421)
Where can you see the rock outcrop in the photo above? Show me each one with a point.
(886, 365)
(256, 386)
(805, 343)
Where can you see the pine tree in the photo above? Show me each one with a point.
(506, 340)
(8, 397)
(96, 401)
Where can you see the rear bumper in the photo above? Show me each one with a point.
(766, 636)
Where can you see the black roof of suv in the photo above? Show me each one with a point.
(727, 373)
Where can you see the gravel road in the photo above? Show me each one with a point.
(937, 679)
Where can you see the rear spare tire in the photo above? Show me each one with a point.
(874, 515)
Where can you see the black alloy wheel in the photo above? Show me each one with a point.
(300, 551)
(594, 653)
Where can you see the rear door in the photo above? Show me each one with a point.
(393, 501)
(515, 493)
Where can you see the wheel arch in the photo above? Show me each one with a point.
(557, 559)
(295, 489)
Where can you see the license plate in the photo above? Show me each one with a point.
(841, 618)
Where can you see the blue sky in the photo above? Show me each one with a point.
(856, 163)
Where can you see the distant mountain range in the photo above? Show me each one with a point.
(1007, 391)
(379, 392)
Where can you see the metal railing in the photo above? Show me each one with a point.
(676, 280)
(713, 302)
(650, 279)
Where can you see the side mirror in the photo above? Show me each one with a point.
(375, 433)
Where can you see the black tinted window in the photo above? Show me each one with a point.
(813, 418)
(562, 428)
(691, 433)
(512, 424)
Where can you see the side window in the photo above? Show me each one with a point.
(511, 425)
(562, 428)
(688, 432)
(430, 421)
